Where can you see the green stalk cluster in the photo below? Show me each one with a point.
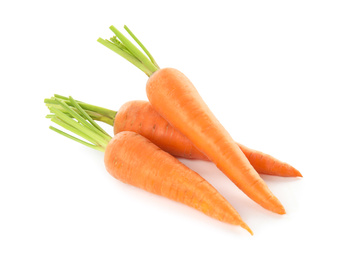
(78, 117)
(76, 120)
(95, 112)
(124, 47)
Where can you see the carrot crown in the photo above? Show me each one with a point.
(124, 47)
(76, 120)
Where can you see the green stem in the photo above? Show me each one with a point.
(76, 139)
(73, 129)
(98, 139)
(101, 131)
(79, 123)
(124, 47)
(95, 112)
(141, 45)
(125, 55)
(104, 111)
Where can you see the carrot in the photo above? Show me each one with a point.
(140, 117)
(176, 99)
(133, 159)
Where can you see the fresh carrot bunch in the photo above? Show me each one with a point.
(135, 160)
(175, 122)
(140, 117)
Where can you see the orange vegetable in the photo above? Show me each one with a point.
(135, 160)
(140, 117)
(175, 98)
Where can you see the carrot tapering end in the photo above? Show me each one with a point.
(245, 226)
(290, 171)
(238, 221)
(281, 211)
(297, 173)
(276, 206)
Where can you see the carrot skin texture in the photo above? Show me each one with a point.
(175, 98)
(133, 159)
(140, 117)
(266, 164)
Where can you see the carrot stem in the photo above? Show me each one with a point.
(93, 123)
(141, 45)
(77, 139)
(73, 113)
(95, 112)
(90, 124)
(80, 124)
(74, 130)
(86, 106)
(125, 48)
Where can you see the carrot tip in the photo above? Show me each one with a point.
(248, 229)
(242, 224)
(278, 208)
(281, 211)
(295, 172)
(239, 222)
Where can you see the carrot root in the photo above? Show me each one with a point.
(133, 159)
(175, 98)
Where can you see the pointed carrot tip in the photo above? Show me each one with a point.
(276, 206)
(238, 221)
(279, 208)
(297, 173)
(249, 230)
(246, 227)
(282, 212)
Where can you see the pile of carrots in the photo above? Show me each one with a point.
(176, 122)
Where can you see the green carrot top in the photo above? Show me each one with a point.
(76, 120)
(95, 112)
(124, 47)
(78, 117)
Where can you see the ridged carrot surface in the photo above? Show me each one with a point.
(140, 117)
(135, 160)
(175, 98)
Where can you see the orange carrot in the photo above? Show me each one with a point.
(266, 164)
(140, 117)
(135, 160)
(175, 98)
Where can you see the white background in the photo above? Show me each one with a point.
(281, 76)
